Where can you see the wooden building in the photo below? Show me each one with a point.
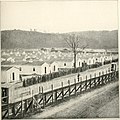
(9, 74)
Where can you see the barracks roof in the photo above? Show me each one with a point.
(3, 68)
(35, 63)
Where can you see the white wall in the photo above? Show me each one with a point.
(26, 69)
(16, 74)
(52, 67)
(89, 61)
(102, 59)
(98, 59)
(94, 60)
(38, 69)
(77, 63)
(43, 69)
(4, 76)
(7, 76)
(68, 64)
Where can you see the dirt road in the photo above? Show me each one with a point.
(100, 103)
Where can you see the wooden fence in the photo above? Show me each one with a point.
(38, 102)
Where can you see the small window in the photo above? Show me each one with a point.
(33, 69)
(79, 63)
(45, 69)
(64, 64)
(54, 67)
(13, 76)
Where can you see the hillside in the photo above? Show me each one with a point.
(33, 39)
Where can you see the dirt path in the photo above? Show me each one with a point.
(102, 102)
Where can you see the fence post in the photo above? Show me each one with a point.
(86, 83)
(69, 86)
(39, 90)
(32, 102)
(21, 105)
(52, 92)
(99, 73)
(99, 78)
(25, 107)
(111, 76)
(43, 98)
(13, 110)
(62, 90)
(90, 76)
(78, 77)
(55, 95)
(8, 102)
(90, 80)
(103, 72)
(103, 77)
(115, 75)
(80, 84)
(106, 77)
(95, 80)
(95, 74)
(75, 86)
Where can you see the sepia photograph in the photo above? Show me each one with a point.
(59, 59)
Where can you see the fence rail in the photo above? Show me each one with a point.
(38, 102)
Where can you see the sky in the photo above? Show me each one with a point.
(59, 16)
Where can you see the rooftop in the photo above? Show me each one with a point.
(35, 63)
(65, 59)
(12, 63)
(5, 68)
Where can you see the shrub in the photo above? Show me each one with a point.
(50, 76)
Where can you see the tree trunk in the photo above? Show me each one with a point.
(74, 59)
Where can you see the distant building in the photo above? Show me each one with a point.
(9, 74)
(35, 67)
(79, 62)
(108, 58)
(29, 68)
(65, 63)
(53, 66)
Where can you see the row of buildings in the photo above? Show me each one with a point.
(11, 71)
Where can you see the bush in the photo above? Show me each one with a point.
(46, 77)
(107, 62)
(115, 60)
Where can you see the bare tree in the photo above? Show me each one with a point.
(73, 41)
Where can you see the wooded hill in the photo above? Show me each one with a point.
(31, 39)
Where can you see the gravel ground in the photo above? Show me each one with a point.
(100, 103)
